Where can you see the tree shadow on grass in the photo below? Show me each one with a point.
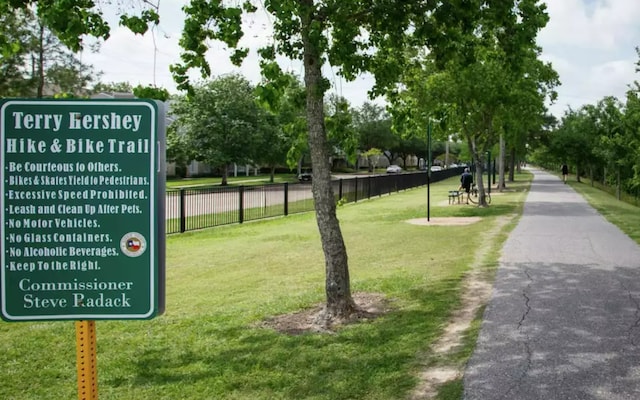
(374, 359)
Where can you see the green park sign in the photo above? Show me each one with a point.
(82, 200)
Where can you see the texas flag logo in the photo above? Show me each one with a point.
(133, 244)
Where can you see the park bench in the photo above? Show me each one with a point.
(453, 195)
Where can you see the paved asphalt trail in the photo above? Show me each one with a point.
(564, 318)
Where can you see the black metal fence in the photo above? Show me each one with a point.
(204, 207)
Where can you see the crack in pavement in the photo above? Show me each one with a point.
(527, 346)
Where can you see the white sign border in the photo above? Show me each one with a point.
(152, 228)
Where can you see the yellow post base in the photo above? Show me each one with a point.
(86, 360)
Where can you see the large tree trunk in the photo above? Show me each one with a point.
(40, 90)
(225, 175)
(513, 165)
(478, 160)
(338, 287)
(618, 184)
(300, 165)
(503, 155)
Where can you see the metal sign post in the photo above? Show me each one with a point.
(489, 172)
(86, 360)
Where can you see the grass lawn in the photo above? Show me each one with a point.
(176, 183)
(222, 282)
(217, 219)
(622, 214)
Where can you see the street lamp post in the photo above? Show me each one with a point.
(489, 171)
(429, 169)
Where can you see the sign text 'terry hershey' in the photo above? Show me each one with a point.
(83, 209)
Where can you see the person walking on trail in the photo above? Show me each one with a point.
(565, 172)
(466, 180)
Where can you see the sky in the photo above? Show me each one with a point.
(590, 43)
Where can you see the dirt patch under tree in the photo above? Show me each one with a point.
(476, 293)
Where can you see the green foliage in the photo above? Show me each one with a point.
(70, 20)
(179, 149)
(373, 157)
(113, 87)
(140, 24)
(64, 95)
(221, 121)
(632, 127)
(273, 143)
(35, 61)
(151, 92)
(15, 41)
(72, 76)
(625, 215)
(198, 29)
(373, 125)
(600, 141)
(284, 95)
(609, 124)
(341, 133)
(480, 77)
(372, 152)
(576, 139)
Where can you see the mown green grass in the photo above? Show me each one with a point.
(222, 282)
(215, 219)
(176, 183)
(620, 213)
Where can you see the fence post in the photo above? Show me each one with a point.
(241, 204)
(340, 189)
(183, 212)
(286, 199)
(369, 188)
(355, 190)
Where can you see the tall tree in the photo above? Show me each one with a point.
(342, 136)
(39, 65)
(179, 150)
(314, 32)
(613, 141)
(285, 98)
(525, 109)
(16, 41)
(632, 126)
(354, 36)
(273, 144)
(222, 121)
(471, 80)
(373, 125)
(574, 140)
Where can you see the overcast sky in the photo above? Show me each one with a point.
(591, 44)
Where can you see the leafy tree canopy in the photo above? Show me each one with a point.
(221, 121)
